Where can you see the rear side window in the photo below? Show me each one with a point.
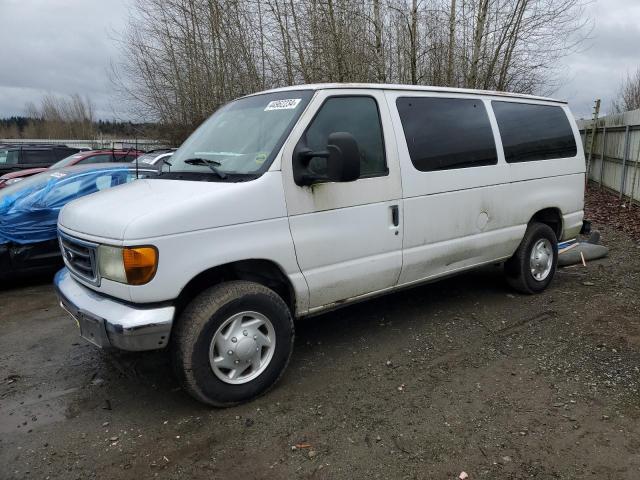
(534, 132)
(447, 133)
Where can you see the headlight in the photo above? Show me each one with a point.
(12, 181)
(132, 265)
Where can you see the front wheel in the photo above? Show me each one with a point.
(532, 267)
(232, 343)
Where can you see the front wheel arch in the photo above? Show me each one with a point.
(264, 272)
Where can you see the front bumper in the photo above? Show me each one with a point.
(108, 323)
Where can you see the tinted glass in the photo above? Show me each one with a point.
(358, 116)
(60, 153)
(37, 156)
(534, 132)
(102, 158)
(446, 133)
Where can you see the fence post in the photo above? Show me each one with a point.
(633, 181)
(624, 160)
(594, 133)
(604, 146)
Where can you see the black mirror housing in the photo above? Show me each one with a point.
(343, 164)
(343, 161)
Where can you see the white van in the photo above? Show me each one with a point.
(290, 202)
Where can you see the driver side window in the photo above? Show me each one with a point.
(358, 116)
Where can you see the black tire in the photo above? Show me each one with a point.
(517, 268)
(201, 319)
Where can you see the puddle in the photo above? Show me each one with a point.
(29, 413)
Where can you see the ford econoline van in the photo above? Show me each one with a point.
(294, 201)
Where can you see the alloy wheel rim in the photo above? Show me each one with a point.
(242, 347)
(541, 259)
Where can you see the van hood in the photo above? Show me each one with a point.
(149, 208)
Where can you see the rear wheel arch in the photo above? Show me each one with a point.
(551, 216)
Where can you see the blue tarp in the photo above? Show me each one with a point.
(29, 210)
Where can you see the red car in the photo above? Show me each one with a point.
(80, 158)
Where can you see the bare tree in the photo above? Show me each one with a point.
(60, 117)
(452, 42)
(628, 97)
(184, 58)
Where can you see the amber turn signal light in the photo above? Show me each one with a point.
(140, 264)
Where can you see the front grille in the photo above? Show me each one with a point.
(80, 257)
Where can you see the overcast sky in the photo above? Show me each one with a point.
(66, 46)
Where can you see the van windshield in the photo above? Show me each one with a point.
(240, 139)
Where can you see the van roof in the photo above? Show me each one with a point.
(414, 88)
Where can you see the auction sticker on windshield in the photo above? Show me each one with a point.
(285, 104)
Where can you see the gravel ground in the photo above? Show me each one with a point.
(460, 375)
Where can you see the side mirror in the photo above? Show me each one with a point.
(342, 165)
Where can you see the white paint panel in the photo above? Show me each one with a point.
(572, 224)
(525, 198)
(348, 251)
(183, 256)
(437, 259)
(444, 231)
(156, 207)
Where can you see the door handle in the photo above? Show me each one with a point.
(395, 215)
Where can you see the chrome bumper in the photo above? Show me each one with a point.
(109, 323)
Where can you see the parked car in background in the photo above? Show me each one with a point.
(156, 157)
(295, 201)
(22, 156)
(80, 158)
(29, 212)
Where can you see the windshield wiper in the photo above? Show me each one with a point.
(212, 164)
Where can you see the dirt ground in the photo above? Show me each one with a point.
(460, 375)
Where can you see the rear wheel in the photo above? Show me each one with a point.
(232, 343)
(532, 267)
